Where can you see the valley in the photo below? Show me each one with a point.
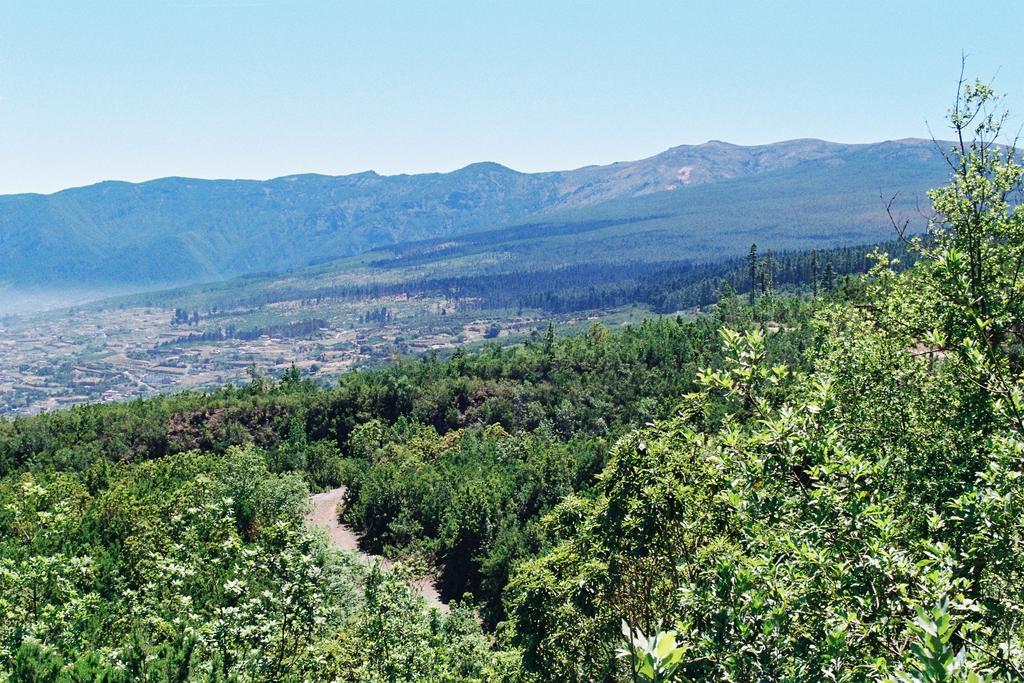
(112, 354)
(356, 315)
(616, 243)
(403, 342)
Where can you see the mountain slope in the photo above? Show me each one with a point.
(822, 203)
(180, 230)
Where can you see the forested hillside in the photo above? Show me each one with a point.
(822, 485)
(174, 231)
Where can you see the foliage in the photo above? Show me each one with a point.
(194, 567)
(655, 658)
(792, 530)
(789, 488)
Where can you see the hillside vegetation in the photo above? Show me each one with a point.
(789, 488)
(180, 230)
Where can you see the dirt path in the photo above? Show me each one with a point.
(325, 515)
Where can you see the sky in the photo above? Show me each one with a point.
(97, 90)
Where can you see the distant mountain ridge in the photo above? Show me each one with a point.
(181, 230)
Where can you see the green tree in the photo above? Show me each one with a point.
(752, 266)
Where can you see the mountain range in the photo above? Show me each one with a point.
(697, 202)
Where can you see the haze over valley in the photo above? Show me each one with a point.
(404, 342)
(447, 257)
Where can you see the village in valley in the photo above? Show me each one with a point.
(104, 353)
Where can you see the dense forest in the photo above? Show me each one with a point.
(666, 287)
(824, 484)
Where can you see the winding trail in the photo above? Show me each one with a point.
(324, 514)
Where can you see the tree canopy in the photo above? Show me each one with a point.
(822, 485)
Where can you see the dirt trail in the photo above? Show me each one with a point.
(325, 515)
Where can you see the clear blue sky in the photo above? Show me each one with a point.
(136, 90)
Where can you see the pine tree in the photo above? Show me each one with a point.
(752, 263)
(549, 339)
(814, 273)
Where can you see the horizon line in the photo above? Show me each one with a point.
(371, 172)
